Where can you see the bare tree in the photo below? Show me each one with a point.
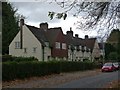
(94, 14)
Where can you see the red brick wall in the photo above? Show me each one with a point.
(59, 52)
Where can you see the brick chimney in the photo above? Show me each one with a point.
(70, 33)
(44, 26)
(86, 37)
(21, 33)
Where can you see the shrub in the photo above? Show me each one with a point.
(13, 70)
(20, 59)
(6, 58)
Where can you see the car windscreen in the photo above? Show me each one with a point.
(108, 64)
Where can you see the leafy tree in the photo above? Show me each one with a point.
(113, 56)
(108, 49)
(94, 14)
(118, 47)
(9, 26)
(0, 29)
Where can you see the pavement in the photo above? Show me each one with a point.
(80, 79)
(97, 81)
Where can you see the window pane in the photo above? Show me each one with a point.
(17, 44)
(63, 45)
(57, 44)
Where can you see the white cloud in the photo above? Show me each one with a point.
(36, 13)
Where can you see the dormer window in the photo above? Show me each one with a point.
(47, 44)
(57, 45)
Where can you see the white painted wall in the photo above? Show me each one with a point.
(96, 50)
(87, 55)
(81, 55)
(47, 52)
(78, 55)
(29, 41)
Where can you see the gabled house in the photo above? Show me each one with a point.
(77, 51)
(81, 49)
(42, 43)
(46, 43)
(92, 43)
(57, 43)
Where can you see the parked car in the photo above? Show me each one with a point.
(116, 65)
(108, 67)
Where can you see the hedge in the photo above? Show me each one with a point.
(20, 70)
(7, 58)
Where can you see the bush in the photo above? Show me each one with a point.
(21, 70)
(8, 58)
(21, 59)
(113, 56)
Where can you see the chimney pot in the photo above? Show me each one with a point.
(76, 35)
(70, 33)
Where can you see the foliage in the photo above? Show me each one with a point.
(118, 46)
(113, 56)
(101, 16)
(7, 58)
(13, 70)
(112, 51)
(108, 49)
(9, 26)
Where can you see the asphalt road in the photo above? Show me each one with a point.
(98, 81)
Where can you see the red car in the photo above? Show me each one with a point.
(108, 67)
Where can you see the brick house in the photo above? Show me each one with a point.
(42, 43)
(46, 43)
(80, 49)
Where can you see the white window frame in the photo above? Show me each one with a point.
(64, 46)
(57, 45)
(17, 45)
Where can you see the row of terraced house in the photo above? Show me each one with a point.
(47, 44)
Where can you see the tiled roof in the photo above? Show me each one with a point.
(89, 43)
(45, 36)
(39, 34)
(52, 34)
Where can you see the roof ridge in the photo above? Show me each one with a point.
(32, 26)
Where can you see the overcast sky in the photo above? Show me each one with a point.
(37, 12)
